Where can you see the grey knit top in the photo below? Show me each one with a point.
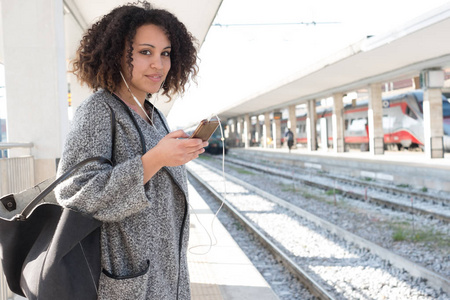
(145, 227)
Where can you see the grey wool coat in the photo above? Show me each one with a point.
(145, 228)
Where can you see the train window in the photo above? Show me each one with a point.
(446, 108)
(346, 124)
(446, 129)
(358, 124)
(410, 113)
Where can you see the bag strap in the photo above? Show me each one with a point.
(133, 119)
(29, 208)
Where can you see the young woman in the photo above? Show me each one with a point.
(129, 55)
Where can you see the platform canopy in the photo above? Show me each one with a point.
(400, 54)
(88, 11)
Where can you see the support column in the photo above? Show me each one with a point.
(276, 129)
(235, 132)
(433, 122)
(375, 119)
(337, 120)
(292, 124)
(240, 132)
(247, 135)
(432, 82)
(267, 131)
(311, 120)
(258, 136)
(323, 134)
(231, 140)
(35, 77)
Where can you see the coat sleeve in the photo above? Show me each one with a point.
(108, 193)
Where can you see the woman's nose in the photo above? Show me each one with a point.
(157, 63)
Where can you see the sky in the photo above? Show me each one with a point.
(238, 61)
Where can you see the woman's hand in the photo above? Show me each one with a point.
(173, 150)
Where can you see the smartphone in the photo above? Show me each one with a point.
(205, 130)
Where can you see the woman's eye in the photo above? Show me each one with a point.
(166, 53)
(146, 52)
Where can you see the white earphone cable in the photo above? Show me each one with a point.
(211, 243)
(137, 101)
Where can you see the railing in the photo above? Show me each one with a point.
(16, 174)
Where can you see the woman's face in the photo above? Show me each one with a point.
(151, 60)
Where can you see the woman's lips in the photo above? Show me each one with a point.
(154, 77)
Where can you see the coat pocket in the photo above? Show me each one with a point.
(129, 287)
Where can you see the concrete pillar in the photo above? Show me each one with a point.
(375, 120)
(258, 136)
(267, 131)
(35, 77)
(228, 132)
(323, 134)
(246, 134)
(416, 83)
(1, 39)
(292, 123)
(432, 83)
(276, 129)
(238, 132)
(241, 132)
(74, 26)
(433, 120)
(311, 132)
(233, 132)
(337, 120)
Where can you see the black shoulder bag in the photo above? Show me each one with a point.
(48, 251)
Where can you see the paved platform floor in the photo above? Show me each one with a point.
(225, 272)
(415, 157)
(407, 168)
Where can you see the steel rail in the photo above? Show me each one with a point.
(313, 286)
(350, 194)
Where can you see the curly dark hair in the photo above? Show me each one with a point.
(98, 58)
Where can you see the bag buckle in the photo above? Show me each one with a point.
(9, 202)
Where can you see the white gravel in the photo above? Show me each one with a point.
(371, 222)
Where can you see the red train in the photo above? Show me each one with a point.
(402, 123)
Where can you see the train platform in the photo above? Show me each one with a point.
(397, 167)
(415, 157)
(221, 272)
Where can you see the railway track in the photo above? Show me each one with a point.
(283, 252)
(386, 196)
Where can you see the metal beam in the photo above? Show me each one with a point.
(72, 8)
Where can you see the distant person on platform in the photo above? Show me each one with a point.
(290, 136)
